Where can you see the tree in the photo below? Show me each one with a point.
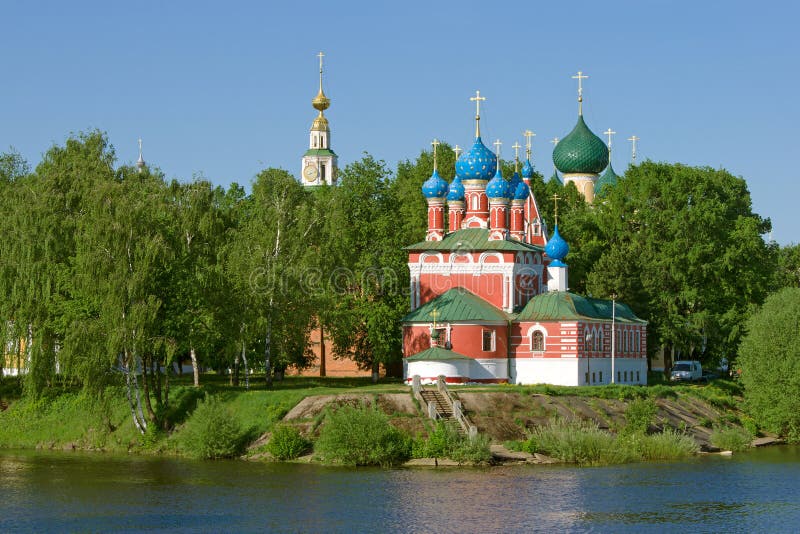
(788, 272)
(366, 285)
(769, 358)
(683, 246)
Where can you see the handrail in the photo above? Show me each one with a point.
(456, 407)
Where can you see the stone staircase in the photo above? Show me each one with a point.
(442, 406)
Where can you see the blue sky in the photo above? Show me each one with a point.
(223, 89)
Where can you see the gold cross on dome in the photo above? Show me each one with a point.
(633, 140)
(608, 133)
(477, 99)
(580, 77)
(516, 146)
(555, 141)
(435, 143)
(556, 198)
(529, 135)
(497, 144)
(320, 56)
(458, 150)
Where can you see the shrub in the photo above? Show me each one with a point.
(639, 415)
(287, 443)
(446, 441)
(731, 438)
(213, 431)
(361, 436)
(574, 442)
(668, 445)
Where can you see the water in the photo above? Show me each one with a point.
(56, 492)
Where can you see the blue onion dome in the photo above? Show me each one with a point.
(514, 182)
(497, 187)
(527, 169)
(478, 163)
(606, 181)
(456, 191)
(581, 151)
(435, 186)
(521, 192)
(557, 249)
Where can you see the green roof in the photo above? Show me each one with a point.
(473, 239)
(563, 305)
(319, 152)
(456, 305)
(436, 354)
(581, 151)
(608, 180)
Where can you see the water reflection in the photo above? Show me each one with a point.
(758, 491)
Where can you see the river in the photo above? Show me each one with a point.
(758, 491)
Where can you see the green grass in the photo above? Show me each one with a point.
(728, 438)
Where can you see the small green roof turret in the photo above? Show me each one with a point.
(606, 181)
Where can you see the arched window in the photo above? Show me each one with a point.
(474, 202)
(600, 342)
(537, 341)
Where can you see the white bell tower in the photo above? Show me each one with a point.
(320, 163)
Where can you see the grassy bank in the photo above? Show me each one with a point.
(587, 425)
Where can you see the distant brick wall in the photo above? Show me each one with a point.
(333, 366)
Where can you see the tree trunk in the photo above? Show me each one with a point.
(195, 370)
(234, 381)
(322, 370)
(268, 347)
(246, 371)
(130, 382)
(151, 415)
(376, 372)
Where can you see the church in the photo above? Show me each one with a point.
(490, 299)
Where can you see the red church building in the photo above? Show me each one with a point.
(489, 295)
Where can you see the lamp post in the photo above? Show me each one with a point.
(613, 335)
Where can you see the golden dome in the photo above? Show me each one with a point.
(320, 123)
(321, 102)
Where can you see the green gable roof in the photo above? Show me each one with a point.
(563, 305)
(319, 152)
(436, 354)
(473, 239)
(456, 305)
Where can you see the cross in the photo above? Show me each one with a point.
(477, 99)
(633, 140)
(554, 141)
(609, 133)
(435, 143)
(140, 147)
(529, 135)
(580, 77)
(516, 146)
(556, 198)
(497, 144)
(458, 150)
(320, 56)
(434, 314)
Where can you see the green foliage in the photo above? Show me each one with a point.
(213, 431)
(730, 438)
(639, 416)
(361, 436)
(447, 441)
(583, 443)
(287, 443)
(770, 361)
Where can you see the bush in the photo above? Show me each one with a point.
(668, 445)
(361, 436)
(731, 438)
(446, 441)
(213, 431)
(287, 443)
(639, 415)
(575, 442)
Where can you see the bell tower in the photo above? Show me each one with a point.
(320, 163)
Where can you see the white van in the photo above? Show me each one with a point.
(686, 371)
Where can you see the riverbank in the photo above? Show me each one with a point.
(505, 415)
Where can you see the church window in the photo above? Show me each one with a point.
(322, 171)
(601, 377)
(637, 376)
(488, 340)
(474, 203)
(315, 141)
(594, 376)
(537, 341)
(618, 375)
(625, 376)
(587, 377)
(600, 341)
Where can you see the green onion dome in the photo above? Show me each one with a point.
(581, 151)
(606, 181)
